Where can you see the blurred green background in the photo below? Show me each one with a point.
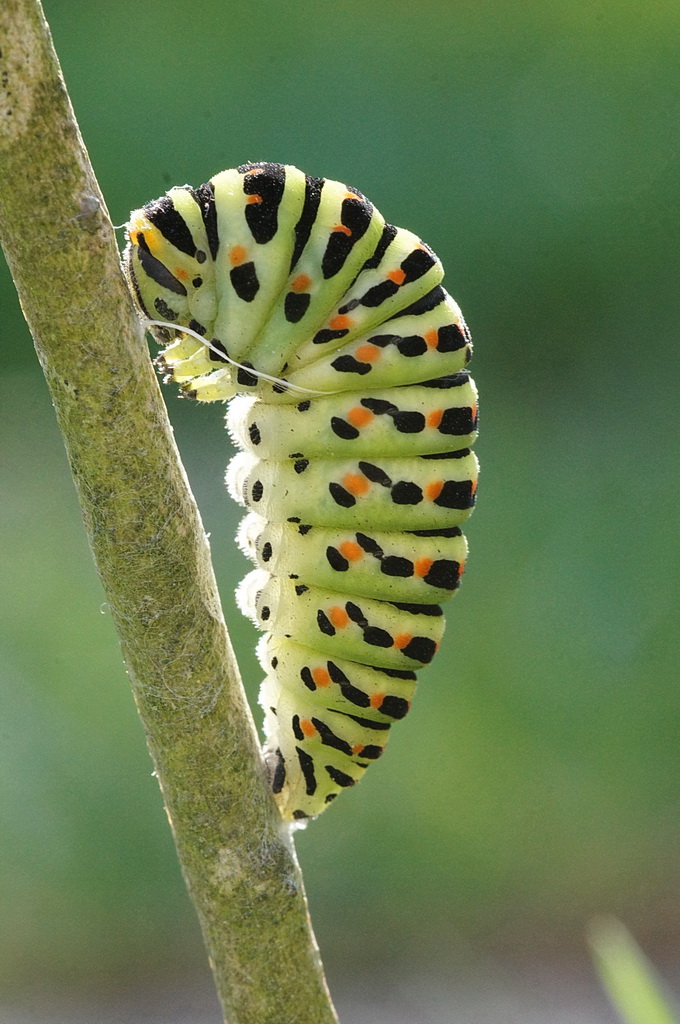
(536, 783)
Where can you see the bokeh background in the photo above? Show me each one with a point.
(536, 783)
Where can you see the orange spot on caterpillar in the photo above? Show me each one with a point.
(434, 418)
(351, 551)
(253, 199)
(180, 274)
(153, 239)
(301, 283)
(307, 727)
(359, 417)
(367, 353)
(473, 412)
(340, 322)
(352, 195)
(434, 489)
(377, 699)
(237, 256)
(422, 566)
(358, 748)
(338, 616)
(474, 487)
(402, 640)
(398, 276)
(321, 677)
(461, 568)
(431, 338)
(343, 229)
(355, 483)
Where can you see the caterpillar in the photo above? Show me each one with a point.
(343, 359)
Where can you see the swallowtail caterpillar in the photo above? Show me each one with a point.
(342, 358)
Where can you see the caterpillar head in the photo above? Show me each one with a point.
(169, 263)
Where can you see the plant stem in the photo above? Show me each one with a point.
(149, 546)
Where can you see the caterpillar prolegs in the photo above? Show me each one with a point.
(343, 359)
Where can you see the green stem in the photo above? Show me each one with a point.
(149, 546)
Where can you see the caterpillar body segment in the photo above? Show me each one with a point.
(387, 635)
(344, 359)
(389, 566)
(425, 493)
(419, 419)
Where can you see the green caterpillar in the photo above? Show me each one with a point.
(344, 360)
